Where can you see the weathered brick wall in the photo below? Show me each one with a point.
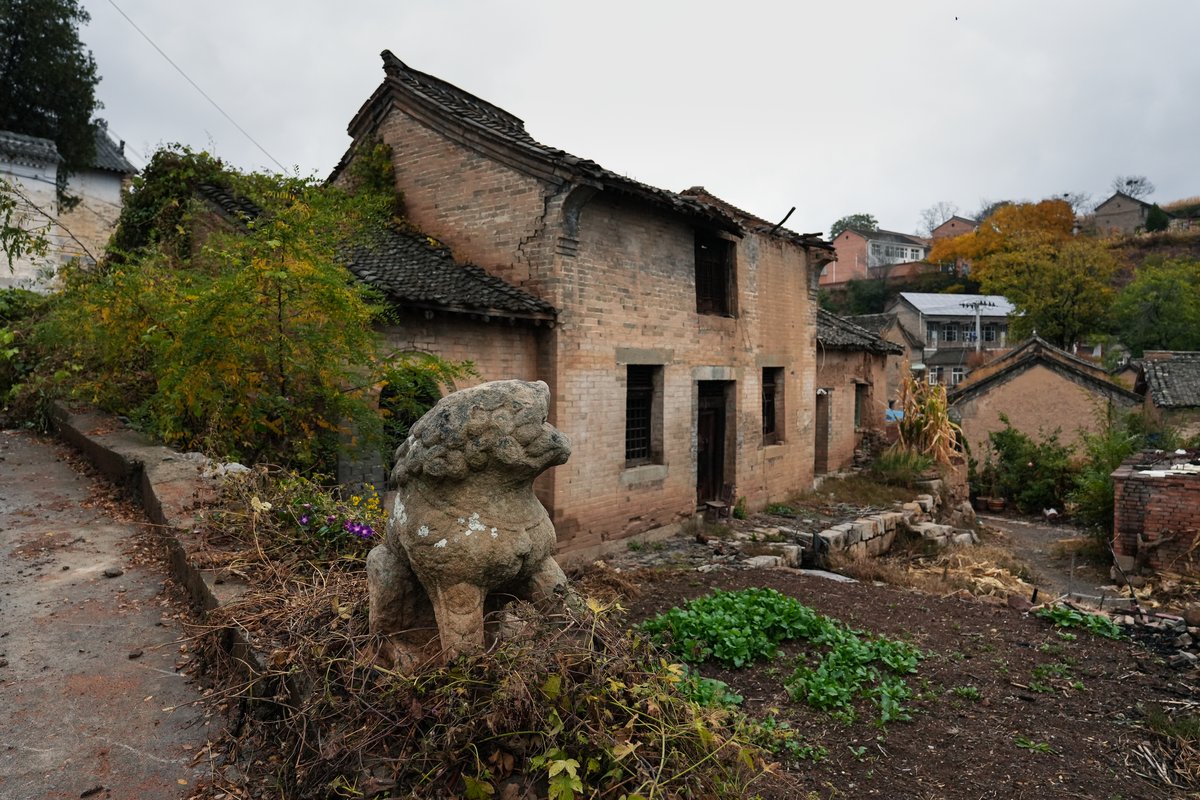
(93, 221)
(629, 297)
(623, 278)
(499, 350)
(1157, 507)
(1120, 215)
(841, 371)
(1038, 399)
(487, 212)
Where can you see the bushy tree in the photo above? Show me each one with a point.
(48, 78)
(1160, 308)
(252, 342)
(860, 222)
(1157, 219)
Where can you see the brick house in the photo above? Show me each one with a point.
(1169, 381)
(1121, 214)
(958, 331)
(863, 254)
(1017, 385)
(912, 348)
(676, 332)
(31, 165)
(955, 226)
(852, 368)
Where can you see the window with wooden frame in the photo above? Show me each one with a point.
(772, 405)
(643, 414)
(714, 274)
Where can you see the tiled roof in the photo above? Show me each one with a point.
(890, 236)
(836, 333)
(951, 305)
(236, 206)
(1172, 378)
(110, 155)
(754, 223)
(874, 323)
(413, 269)
(482, 118)
(1037, 351)
(27, 149)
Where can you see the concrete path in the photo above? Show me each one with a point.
(92, 702)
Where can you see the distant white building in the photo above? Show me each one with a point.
(950, 329)
(30, 166)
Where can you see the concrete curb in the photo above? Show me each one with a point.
(170, 488)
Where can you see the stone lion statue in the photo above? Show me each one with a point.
(465, 523)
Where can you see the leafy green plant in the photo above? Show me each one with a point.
(1064, 617)
(1034, 474)
(780, 510)
(739, 509)
(1026, 743)
(971, 693)
(739, 628)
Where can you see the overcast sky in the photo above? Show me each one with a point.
(837, 107)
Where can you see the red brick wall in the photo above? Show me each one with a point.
(851, 263)
(1158, 507)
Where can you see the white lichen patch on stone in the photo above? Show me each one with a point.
(423, 530)
(462, 521)
(494, 534)
(440, 543)
(399, 513)
(473, 525)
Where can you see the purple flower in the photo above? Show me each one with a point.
(304, 520)
(308, 505)
(329, 520)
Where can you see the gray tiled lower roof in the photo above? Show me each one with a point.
(110, 155)
(1173, 378)
(413, 269)
(27, 149)
(837, 333)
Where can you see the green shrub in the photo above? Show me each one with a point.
(901, 466)
(1033, 474)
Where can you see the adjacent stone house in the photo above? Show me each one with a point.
(1038, 387)
(31, 165)
(1121, 214)
(863, 254)
(912, 348)
(958, 331)
(852, 368)
(1170, 383)
(677, 333)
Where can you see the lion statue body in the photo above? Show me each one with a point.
(465, 523)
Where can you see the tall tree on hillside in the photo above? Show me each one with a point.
(1133, 185)
(1160, 308)
(1011, 226)
(48, 78)
(860, 222)
(1063, 288)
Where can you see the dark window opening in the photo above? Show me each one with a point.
(862, 395)
(772, 404)
(640, 416)
(714, 275)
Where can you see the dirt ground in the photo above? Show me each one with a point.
(94, 701)
(1078, 734)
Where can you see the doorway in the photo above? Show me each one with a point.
(821, 438)
(712, 428)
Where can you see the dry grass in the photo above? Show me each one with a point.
(853, 490)
(984, 570)
(324, 719)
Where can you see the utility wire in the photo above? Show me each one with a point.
(196, 86)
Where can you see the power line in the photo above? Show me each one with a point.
(196, 86)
